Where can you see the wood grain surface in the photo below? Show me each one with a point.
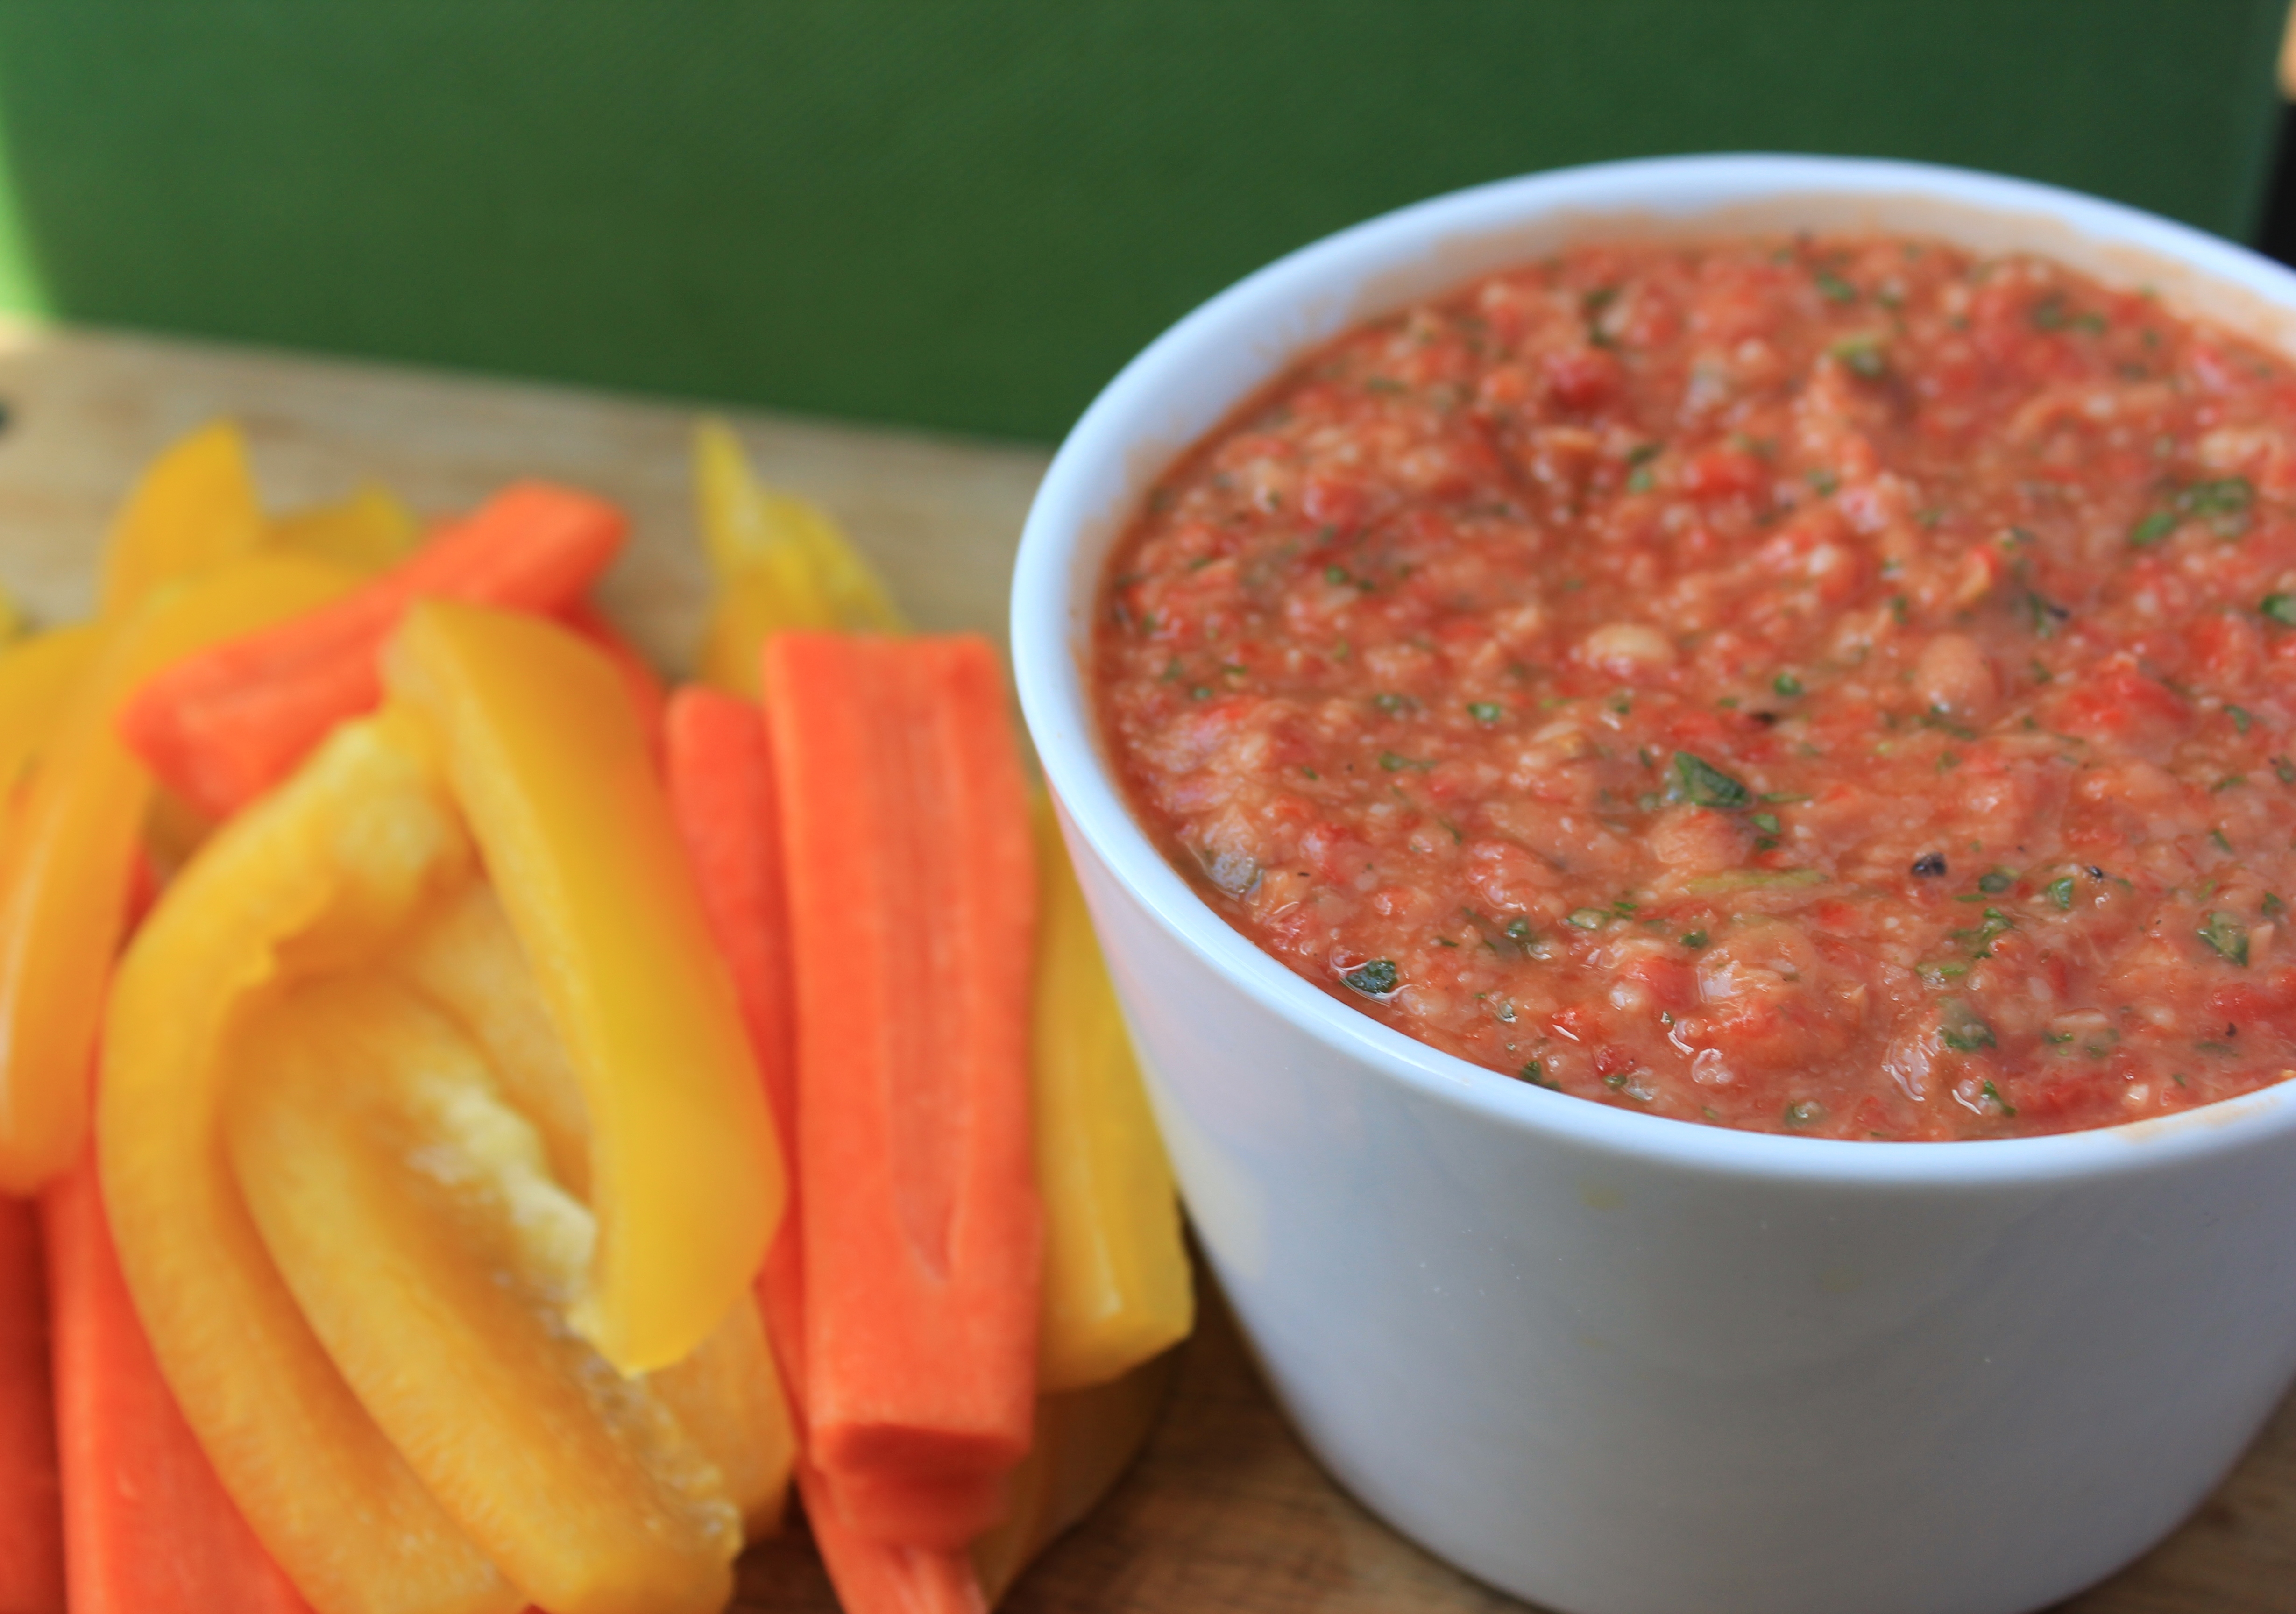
(1224, 1511)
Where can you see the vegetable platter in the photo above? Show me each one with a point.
(1220, 1509)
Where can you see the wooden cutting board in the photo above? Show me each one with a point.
(1225, 1512)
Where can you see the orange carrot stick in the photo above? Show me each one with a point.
(872, 1577)
(225, 725)
(147, 1527)
(912, 892)
(31, 1538)
(721, 790)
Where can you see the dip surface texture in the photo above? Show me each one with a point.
(1835, 685)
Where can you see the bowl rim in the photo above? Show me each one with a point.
(1119, 428)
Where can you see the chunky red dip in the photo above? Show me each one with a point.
(1838, 685)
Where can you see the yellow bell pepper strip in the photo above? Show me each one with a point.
(777, 561)
(465, 961)
(194, 507)
(553, 773)
(1118, 1288)
(66, 867)
(323, 873)
(370, 532)
(1086, 1439)
(728, 1394)
(37, 677)
(413, 1213)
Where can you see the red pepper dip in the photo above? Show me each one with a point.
(1844, 686)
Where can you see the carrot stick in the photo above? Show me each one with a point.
(911, 895)
(721, 791)
(147, 1527)
(647, 695)
(225, 725)
(31, 1538)
(872, 1577)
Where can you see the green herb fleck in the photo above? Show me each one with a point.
(1535, 1073)
(1822, 481)
(1963, 1031)
(2284, 770)
(2273, 906)
(1640, 479)
(1996, 881)
(1834, 289)
(2152, 529)
(2280, 608)
(2217, 837)
(1767, 823)
(1518, 931)
(1377, 979)
(2061, 893)
(1394, 705)
(1862, 356)
(1693, 939)
(1485, 711)
(1703, 784)
(1336, 574)
(1994, 1093)
(2240, 718)
(2226, 938)
(2042, 617)
(1786, 684)
(2222, 502)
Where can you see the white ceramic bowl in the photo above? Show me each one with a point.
(1617, 1363)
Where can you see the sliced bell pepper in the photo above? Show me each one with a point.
(777, 563)
(31, 1531)
(147, 1528)
(369, 532)
(193, 508)
(37, 678)
(412, 1212)
(1086, 1439)
(466, 959)
(325, 872)
(1118, 1288)
(728, 1396)
(222, 727)
(65, 867)
(902, 796)
(466, 962)
(552, 771)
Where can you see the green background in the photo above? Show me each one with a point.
(966, 216)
